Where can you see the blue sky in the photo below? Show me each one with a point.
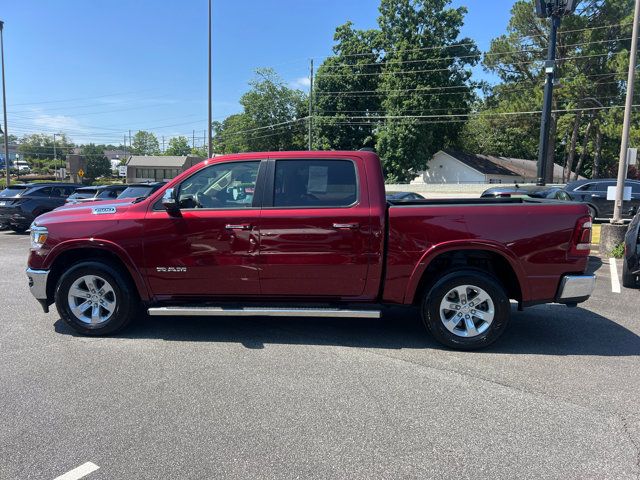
(95, 69)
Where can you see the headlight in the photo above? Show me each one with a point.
(38, 236)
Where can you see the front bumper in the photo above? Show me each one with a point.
(38, 286)
(575, 288)
(14, 217)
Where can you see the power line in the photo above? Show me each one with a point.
(494, 114)
(440, 47)
(485, 54)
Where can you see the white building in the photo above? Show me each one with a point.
(450, 166)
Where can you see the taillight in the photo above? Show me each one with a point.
(581, 239)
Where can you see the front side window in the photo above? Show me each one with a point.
(225, 185)
(315, 183)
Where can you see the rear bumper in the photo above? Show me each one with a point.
(575, 288)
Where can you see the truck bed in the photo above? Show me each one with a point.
(533, 235)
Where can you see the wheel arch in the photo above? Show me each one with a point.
(487, 258)
(110, 255)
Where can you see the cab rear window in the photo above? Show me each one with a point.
(315, 183)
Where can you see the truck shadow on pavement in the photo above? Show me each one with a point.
(542, 330)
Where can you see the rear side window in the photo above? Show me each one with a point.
(315, 183)
(58, 192)
(38, 192)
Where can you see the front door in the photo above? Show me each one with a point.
(314, 230)
(210, 249)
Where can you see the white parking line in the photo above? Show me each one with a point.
(79, 472)
(615, 281)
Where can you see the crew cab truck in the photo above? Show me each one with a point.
(307, 234)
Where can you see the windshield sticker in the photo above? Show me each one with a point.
(318, 179)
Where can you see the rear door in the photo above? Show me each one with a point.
(314, 229)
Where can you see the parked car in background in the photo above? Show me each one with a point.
(140, 190)
(532, 191)
(96, 193)
(22, 205)
(21, 166)
(631, 262)
(11, 191)
(404, 196)
(594, 194)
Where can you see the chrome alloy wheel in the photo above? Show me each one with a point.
(467, 311)
(92, 299)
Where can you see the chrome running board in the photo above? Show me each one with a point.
(261, 312)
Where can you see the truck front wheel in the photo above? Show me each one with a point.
(94, 298)
(466, 310)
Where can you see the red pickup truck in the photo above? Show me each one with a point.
(307, 234)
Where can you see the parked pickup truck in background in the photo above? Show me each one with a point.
(308, 234)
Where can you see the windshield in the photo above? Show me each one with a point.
(136, 191)
(84, 193)
(13, 191)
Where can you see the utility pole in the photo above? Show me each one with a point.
(210, 118)
(193, 139)
(310, 102)
(125, 145)
(162, 143)
(4, 107)
(624, 142)
(130, 148)
(549, 68)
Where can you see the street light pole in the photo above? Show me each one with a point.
(549, 69)
(55, 154)
(624, 143)
(210, 118)
(310, 104)
(4, 107)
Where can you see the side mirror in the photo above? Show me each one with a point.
(169, 202)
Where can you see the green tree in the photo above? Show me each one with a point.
(98, 165)
(145, 143)
(39, 146)
(178, 146)
(38, 150)
(424, 55)
(272, 118)
(592, 56)
(346, 86)
(382, 83)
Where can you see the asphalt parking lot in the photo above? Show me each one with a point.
(557, 397)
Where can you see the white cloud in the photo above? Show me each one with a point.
(58, 122)
(301, 82)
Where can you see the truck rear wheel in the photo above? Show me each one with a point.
(466, 310)
(95, 299)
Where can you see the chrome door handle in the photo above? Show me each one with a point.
(346, 225)
(238, 227)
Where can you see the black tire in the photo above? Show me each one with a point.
(19, 229)
(593, 212)
(628, 279)
(435, 295)
(126, 299)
